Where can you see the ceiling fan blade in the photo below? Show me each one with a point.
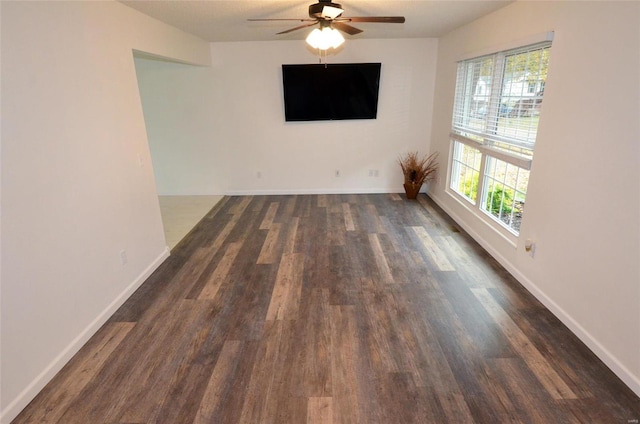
(296, 28)
(280, 19)
(380, 19)
(346, 28)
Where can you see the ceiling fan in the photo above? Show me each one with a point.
(329, 15)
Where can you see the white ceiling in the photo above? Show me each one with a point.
(216, 20)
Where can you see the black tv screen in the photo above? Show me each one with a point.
(323, 92)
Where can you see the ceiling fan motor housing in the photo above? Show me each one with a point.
(316, 10)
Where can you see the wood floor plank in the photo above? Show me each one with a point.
(291, 236)
(290, 205)
(590, 410)
(514, 389)
(175, 277)
(287, 405)
(399, 244)
(335, 233)
(556, 387)
(439, 219)
(399, 263)
(320, 410)
(187, 384)
(334, 206)
(221, 238)
(238, 230)
(259, 390)
(304, 204)
(465, 359)
(332, 309)
(421, 356)
(429, 361)
(218, 383)
(380, 330)
(245, 299)
(241, 206)
(269, 252)
(285, 300)
(269, 216)
(88, 363)
(322, 201)
(348, 219)
(343, 365)
(417, 215)
(268, 398)
(230, 392)
(435, 253)
(149, 385)
(406, 403)
(141, 378)
(473, 275)
(475, 319)
(455, 407)
(314, 378)
(373, 217)
(384, 271)
(220, 273)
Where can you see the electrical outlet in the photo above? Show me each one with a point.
(337, 174)
(376, 173)
(259, 174)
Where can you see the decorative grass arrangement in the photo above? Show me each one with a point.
(417, 171)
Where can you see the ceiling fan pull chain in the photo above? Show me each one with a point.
(320, 51)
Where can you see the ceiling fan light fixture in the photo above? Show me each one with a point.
(325, 38)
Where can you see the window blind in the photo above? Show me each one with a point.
(498, 99)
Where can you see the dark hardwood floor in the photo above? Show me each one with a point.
(332, 309)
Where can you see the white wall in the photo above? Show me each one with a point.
(179, 103)
(73, 191)
(212, 130)
(73, 194)
(583, 202)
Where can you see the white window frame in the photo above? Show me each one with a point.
(485, 146)
(477, 207)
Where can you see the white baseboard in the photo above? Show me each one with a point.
(272, 192)
(30, 392)
(592, 343)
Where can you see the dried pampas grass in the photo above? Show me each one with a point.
(418, 171)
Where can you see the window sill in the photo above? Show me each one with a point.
(506, 235)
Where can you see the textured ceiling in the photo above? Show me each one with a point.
(215, 20)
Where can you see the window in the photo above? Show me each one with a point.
(506, 188)
(466, 171)
(495, 123)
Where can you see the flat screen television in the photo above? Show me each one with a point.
(336, 91)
